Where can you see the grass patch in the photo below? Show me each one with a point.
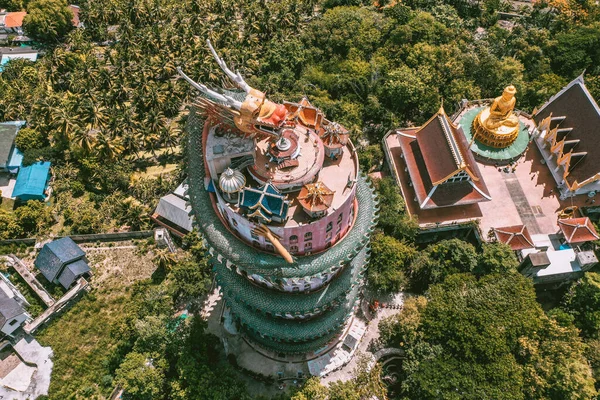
(7, 204)
(87, 339)
(84, 341)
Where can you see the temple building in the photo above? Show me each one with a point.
(567, 137)
(440, 166)
(286, 215)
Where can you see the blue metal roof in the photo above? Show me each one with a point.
(73, 271)
(55, 255)
(31, 181)
(267, 200)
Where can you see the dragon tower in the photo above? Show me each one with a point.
(285, 213)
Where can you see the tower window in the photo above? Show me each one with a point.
(293, 239)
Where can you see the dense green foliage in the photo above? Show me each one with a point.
(487, 339)
(582, 301)
(366, 384)
(47, 21)
(389, 259)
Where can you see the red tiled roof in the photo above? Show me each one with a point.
(437, 142)
(582, 114)
(578, 230)
(14, 19)
(516, 236)
(429, 154)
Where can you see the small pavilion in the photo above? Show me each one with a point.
(578, 230)
(516, 236)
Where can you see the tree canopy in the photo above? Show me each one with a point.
(487, 338)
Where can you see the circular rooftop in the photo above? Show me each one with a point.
(491, 154)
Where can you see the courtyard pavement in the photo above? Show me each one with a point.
(31, 377)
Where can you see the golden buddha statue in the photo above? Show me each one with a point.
(497, 125)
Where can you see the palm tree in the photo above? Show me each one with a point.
(134, 213)
(164, 259)
(108, 148)
(64, 122)
(86, 139)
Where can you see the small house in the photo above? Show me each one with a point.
(12, 313)
(62, 261)
(173, 212)
(10, 157)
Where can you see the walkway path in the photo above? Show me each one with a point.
(32, 326)
(347, 372)
(520, 200)
(107, 248)
(33, 283)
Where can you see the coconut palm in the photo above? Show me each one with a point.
(86, 139)
(107, 147)
(164, 259)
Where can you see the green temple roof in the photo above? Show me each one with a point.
(292, 348)
(292, 330)
(276, 302)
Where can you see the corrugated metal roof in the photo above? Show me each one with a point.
(175, 210)
(7, 138)
(31, 181)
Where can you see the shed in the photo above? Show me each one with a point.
(12, 314)
(32, 181)
(56, 255)
(173, 213)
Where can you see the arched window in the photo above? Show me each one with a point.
(255, 244)
(308, 236)
(235, 223)
(340, 217)
(329, 226)
(270, 248)
(293, 239)
(307, 246)
(294, 249)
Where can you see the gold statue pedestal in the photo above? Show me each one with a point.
(498, 137)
